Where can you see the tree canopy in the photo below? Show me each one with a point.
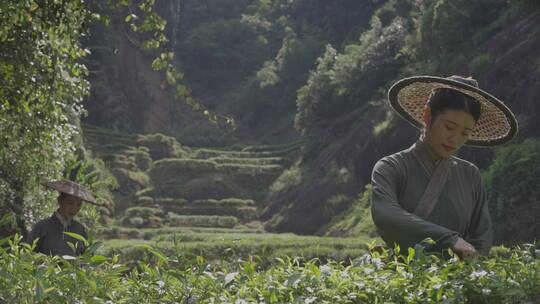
(42, 85)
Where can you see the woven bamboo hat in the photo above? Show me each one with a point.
(496, 125)
(72, 188)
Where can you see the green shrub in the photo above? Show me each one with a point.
(444, 25)
(111, 232)
(234, 244)
(174, 219)
(132, 180)
(512, 182)
(143, 211)
(343, 82)
(161, 146)
(207, 202)
(288, 179)
(141, 157)
(249, 161)
(143, 217)
(355, 221)
(383, 127)
(215, 153)
(162, 275)
(146, 192)
(144, 201)
(236, 202)
(267, 75)
(315, 92)
(281, 149)
(122, 161)
(244, 169)
(171, 201)
(243, 213)
(180, 169)
(335, 205)
(338, 174)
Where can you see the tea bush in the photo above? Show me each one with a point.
(355, 221)
(228, 245)
(143, 217)
(242, 213)
(375, 277)
(201, 220)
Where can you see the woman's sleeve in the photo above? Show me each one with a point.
(480, 231)
(395, 224)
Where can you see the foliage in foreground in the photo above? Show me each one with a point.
(512, 276)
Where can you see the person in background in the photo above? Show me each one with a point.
(427, 192)
(49, 232)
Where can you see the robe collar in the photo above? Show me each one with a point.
(438, 173)
(63, 220)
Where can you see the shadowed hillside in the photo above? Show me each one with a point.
(344, 145)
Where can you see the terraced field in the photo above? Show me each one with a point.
(188, 245)
(199, 201)
(159, 177)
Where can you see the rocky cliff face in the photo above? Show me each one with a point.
(126, 92)
(515, 72)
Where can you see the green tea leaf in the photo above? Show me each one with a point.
(77, 237)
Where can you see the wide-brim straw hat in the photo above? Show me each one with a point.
(72, 188)
(496, 125)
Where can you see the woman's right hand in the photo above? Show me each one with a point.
(463, 248)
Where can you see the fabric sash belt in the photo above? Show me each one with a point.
(439, 175)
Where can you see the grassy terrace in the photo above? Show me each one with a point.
(200, 201)
(97, 136)
(249, 161)
(227, 244)
(242, 213)
(209, 153)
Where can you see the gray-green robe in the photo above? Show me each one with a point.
(53, 241)
(399, 180)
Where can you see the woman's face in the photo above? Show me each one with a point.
(448, 132)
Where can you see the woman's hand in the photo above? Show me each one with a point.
(463, 248)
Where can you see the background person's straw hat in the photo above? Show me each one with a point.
(496, 125)
(72, 188)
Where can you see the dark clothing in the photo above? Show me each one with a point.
(399, 181)
(53, 241)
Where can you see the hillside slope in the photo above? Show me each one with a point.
(349, 144)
